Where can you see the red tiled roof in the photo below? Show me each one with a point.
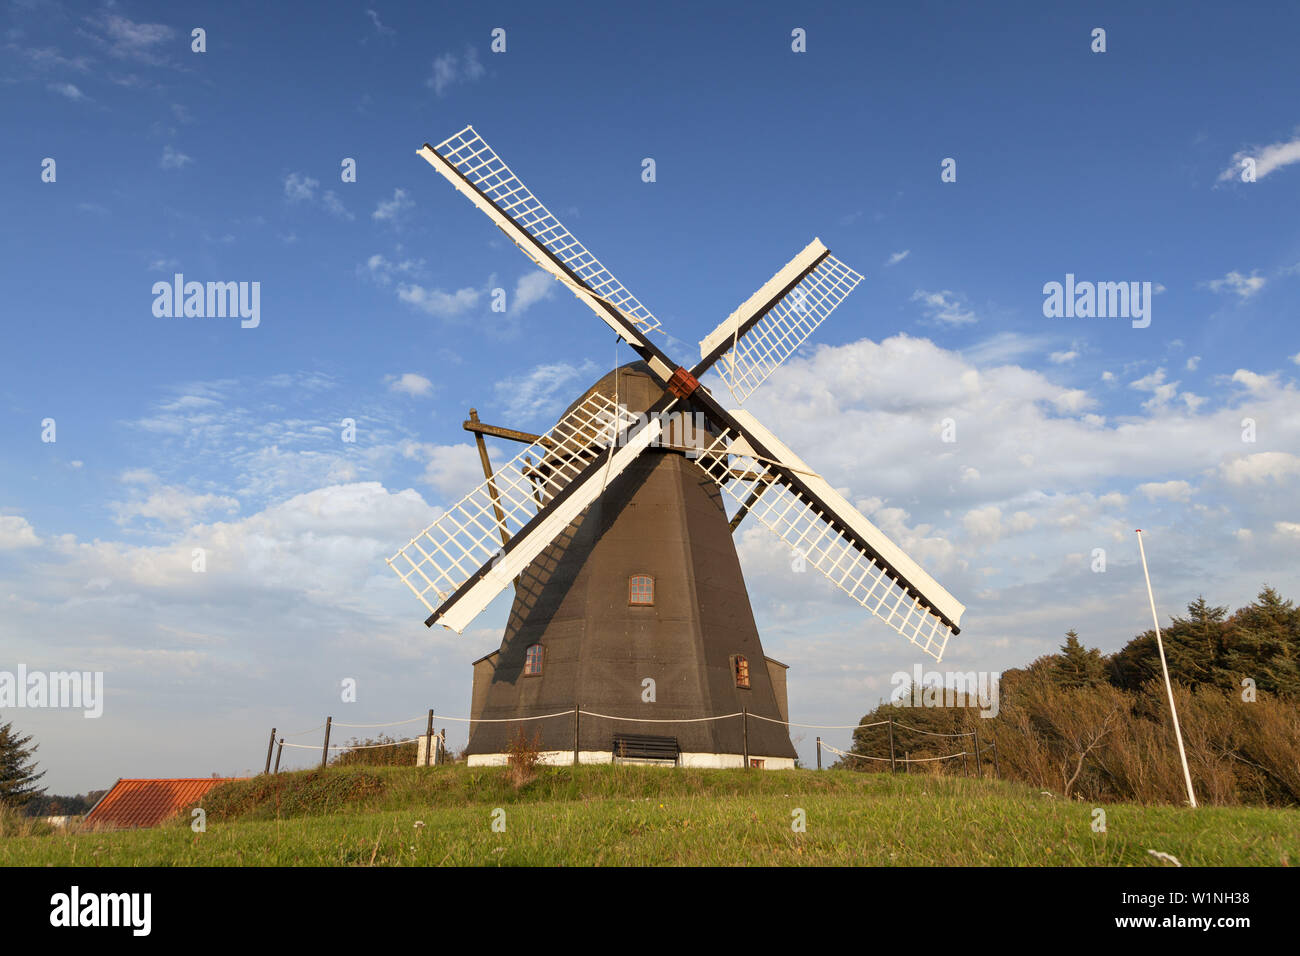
(146, 803)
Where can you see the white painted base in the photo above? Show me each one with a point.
(554, 758)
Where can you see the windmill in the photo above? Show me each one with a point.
(611, 526)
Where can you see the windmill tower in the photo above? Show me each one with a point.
(612, 526)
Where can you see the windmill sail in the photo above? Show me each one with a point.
(473, 167)
(755, 339)
(834, 537)
(457, 565)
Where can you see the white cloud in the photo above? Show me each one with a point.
(1193, 362)
(390, 210)
(173, 158)
(383, 271)
(451, 470)
(1073, 400)
(945, 307)
(70, 90)
(15, 532)
(302, 188)
(127, 40)
(411, 384)
(531, 288)
(898, 257)
(450, 69)
(545, 391)
(1166, 490)
(166, 504)
(1063, 358)
(984, 523)
(1267, 159)
(1255, 383)
(1244, 286)
(380, 29)
(1162, 392)
(439, 304)
(1260, 467)
(50, 58)
(334, 206)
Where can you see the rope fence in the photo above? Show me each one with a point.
(435, 743)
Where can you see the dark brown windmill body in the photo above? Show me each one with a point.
(638, 610)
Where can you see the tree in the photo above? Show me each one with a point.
(18, 774)
(1194, 650)
(1076, 665)
(1262, 642)
(1194, 644)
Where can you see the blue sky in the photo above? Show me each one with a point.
(176, 433)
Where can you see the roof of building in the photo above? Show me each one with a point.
(146, 803)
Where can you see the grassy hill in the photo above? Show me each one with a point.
(413, 816)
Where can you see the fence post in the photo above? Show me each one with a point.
(979, 770)
(996, 771)
(965, 764)
(893, 764)
(441, 743)
(428, 739)
(744, 732)
(269, 748)
(325, 751)
(819, 753)
(907, 759)
(277, 755)
(577, 708)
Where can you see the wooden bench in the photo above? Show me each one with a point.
(638, 747)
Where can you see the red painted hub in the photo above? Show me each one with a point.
(682, 383)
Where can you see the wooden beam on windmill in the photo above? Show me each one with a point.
(487, 473)
(472, 424)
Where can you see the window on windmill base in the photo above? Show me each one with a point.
(533, 661)
(742, 672)
(641, 589)
(756, 763)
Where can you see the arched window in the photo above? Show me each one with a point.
(533, 661)
(641, 589)
(741, 667)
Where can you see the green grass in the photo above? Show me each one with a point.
(652, 816)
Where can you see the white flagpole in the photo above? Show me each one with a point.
(1178, 733)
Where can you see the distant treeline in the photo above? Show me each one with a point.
(1085, 725)
(53, 805)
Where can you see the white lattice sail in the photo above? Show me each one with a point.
(471, 156)
(452, 550)
(865, 575)
(757, 352)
